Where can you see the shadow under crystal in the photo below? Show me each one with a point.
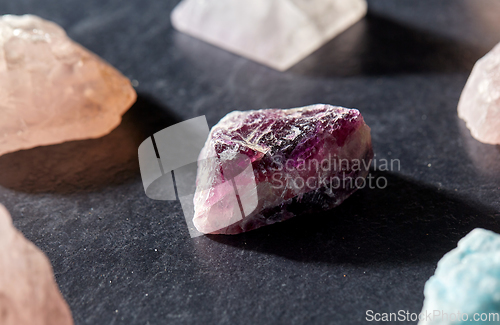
(378, 45)
(86, 165)
(405, 221)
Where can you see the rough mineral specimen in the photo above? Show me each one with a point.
(28, 292)
(277, 33)
(53, 90)
(466, 282)
(265, 166)
(479, 104)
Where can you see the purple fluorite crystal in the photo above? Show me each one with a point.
(265, 166)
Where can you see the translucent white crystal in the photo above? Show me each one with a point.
(277, 33)
(466, 282)
(479, 104)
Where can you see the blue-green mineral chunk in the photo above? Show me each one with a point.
(466, 286)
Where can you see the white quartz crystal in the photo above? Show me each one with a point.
(277, 33)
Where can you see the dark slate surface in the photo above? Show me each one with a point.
(121, 258)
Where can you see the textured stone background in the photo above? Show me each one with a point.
(121, 258)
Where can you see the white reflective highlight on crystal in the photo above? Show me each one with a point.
(223, 213)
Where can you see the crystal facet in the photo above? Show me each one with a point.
(265, 166)
(28, 292)
(53, 90)
(479, 104)
(467, 281)
(277, 33)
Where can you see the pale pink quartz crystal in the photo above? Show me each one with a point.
(479, 104)
(28, 292)
(265, 166)
(52, 89)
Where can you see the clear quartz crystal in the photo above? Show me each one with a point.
(52, 89)
(277, 33)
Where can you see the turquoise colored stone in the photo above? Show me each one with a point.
(466, 285)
